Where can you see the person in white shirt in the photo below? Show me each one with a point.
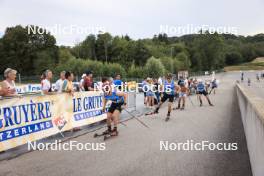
(186, 83)
(81, 82)
(59, 82)
(46, 83)
(160, 81)
(9, 82)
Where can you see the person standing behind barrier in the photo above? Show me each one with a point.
(149, 93)
(8, 85)
(202, 91)
(157, 90)
(59, 82)
(4, 91)
(81, 82)
(42, 78)
(88, 82)
(144, 89)
(46, 86)
(67, 85)
(118, 82)
(118, 99)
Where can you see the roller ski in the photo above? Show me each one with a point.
(114, 133)
(176, 108)
(182, 108)
(167, 118)
(152, 112)
(102, 134)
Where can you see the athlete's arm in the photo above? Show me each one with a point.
(188, 91)
(122, 94)
(104, 104)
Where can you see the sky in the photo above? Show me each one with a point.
(70, 21)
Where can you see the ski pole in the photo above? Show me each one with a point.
(136, 119)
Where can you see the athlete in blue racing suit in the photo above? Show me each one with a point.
(118, 99)
(168, 93)
(201, 91)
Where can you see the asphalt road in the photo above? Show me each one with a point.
(136, 151)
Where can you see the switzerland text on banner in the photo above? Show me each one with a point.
(36, 117)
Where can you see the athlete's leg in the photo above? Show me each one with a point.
(208, 99)
(171, 98)
(158, 107)
(211, 90)
(169, 107)
(116, 115)
(179, 102)
(109, 120)
(163, 99)
(200, 99)
(183, 102)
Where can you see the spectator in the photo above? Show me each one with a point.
(42, 78)
(46, 85)
(157, 90)
(81, 82)
(149, 93)
(59, 82)
(4, 91)
(8, 86)
(68, 84)
(144, 89)
(88, 82)
(117, 82)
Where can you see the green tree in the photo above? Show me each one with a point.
(27, 51)
(167, 62)
(154, 68)
(135, 72)
(233, 58)
(103, 46)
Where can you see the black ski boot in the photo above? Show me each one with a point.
(168, 117)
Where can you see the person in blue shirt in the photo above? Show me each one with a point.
(202, 91)
(168, 94)
(118, 99)
(118, 82)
